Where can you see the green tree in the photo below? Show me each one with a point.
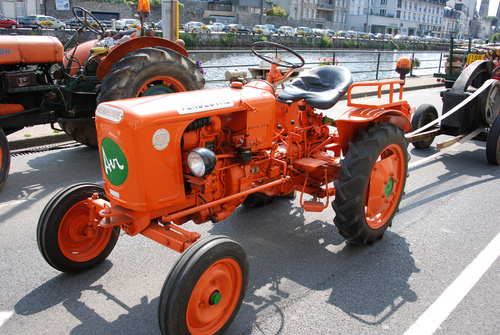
(493, 19)
(276, 11)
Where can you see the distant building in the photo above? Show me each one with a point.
(326, 14)
(405, 17)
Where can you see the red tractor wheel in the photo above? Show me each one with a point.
(5, 159)
(205, 288)
(143, 72)
(371, 183)
(68, 241)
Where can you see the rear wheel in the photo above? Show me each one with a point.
(66, 238)
(150, 71)
(493, 143)
(205, 288)
(488, 104)
(143, 72)
(5, 160)
(371, 183)
(423, 115)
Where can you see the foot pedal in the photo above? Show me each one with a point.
(313, 206)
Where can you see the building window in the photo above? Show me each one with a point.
(400, 3)
(382, 12)
(398, 14)
(383, 2)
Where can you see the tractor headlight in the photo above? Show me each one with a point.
(201, 161)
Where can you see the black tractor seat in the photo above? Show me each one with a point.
(320, 87)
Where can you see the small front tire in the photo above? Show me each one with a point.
(66, 239)
(423, 115)
(205, 288)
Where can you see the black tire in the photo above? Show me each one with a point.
(364, 207)
(493, 143)
(258, 199)
(488, 104)
(5, 162)
(61, 236)
(139, 70)
(191, 275)
(423, 115)
(131, 74)
(81, 131)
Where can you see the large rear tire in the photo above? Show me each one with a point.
(493, 143)
(205, 288)
(371, 183)
(5, 160)
(66, 238)
(150, 71)
(143, 72)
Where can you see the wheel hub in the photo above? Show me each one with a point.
(215, 298)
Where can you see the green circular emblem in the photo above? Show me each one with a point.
(114, 162)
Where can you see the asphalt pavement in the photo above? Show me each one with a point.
(42, 135)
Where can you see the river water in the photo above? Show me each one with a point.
(362, 64)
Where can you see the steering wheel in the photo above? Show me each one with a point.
(277, 46)
(87, 23)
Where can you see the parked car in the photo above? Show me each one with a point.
(415, 38)
(217, 26)
(286, 30)
(271, 28)
(238, 28)
(193, 26)
(304, 31)
(402, 37)
(261, 29)
(351, 34)
(5, 22)
(320, 32)
(125, 24)
(75, 24)
(42, 21)
(157, 25)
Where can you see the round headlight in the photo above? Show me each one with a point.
(201, 161)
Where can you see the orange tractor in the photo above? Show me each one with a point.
(197, 156)
(44, 82)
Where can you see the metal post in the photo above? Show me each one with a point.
(378, 65)
(170, 21)
(440, 60)
(411, 68)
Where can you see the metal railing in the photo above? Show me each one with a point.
(364, 65)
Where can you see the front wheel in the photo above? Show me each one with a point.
(423, 115)
(493, 143)
(205, 288)
(67, 239)
(5, 159)
(371, 183)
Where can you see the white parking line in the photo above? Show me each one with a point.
(12, 203)
(4, 316)
(439, 311)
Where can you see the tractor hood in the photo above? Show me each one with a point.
(140, 140)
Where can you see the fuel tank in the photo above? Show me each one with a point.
(27, 50)
(140, 139)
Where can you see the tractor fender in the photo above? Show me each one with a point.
(121, 50)
(470, 73)
(349, 123)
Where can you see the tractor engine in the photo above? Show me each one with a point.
(173, 153)
(25, 71)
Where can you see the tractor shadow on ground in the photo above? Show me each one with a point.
(46, 174)
(292, 254)
(472, 163)
(68, 290)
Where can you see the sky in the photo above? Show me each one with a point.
(492, 9)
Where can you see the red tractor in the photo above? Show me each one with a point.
(42, 81)
(197, 156)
